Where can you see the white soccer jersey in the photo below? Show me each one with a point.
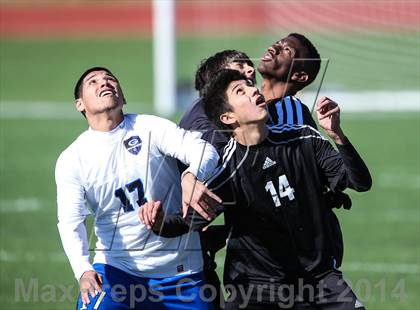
(113, 173)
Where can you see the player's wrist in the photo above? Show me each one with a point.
(82, 270)
(188, 175)
(338, 137)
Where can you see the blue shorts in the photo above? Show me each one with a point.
(121, 290)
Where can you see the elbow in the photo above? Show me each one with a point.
(364, 186)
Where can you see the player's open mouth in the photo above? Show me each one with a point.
(260, 101)
(106, 92)
(267, 56)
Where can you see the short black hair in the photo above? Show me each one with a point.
(313, 64)
(209, 67)
(215, 99)
(78, 87)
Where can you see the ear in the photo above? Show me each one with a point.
(227, 118)
(80, 106)
(300, 77)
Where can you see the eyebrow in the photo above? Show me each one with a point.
(239, 84)
(90, 76)
(283, 41)
(95, 74)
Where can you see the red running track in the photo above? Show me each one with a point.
(212, 17)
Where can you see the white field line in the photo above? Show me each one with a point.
(51, 110)
(404, 216)
(363, 101)
(28, 257)
(37, 110)
(397, 179)
(19, 205)
(374, 267)
(381, 267)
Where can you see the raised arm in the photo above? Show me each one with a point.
(346, 169)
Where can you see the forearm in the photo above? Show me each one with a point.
(338, 137)
(174, 225)
(356, 173)
(75, 244)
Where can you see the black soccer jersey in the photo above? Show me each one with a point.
(273, 198)
(288, 110)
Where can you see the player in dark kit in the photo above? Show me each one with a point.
(280, 250)
(281, 234)
(283, 76)
(288, 66)
(195, 118)
(214, 237)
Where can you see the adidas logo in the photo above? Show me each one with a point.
(358, 304)
(268, 163)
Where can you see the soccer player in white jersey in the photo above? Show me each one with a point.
(109, 171)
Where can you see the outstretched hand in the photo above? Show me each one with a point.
(196, 195)
(328, 113)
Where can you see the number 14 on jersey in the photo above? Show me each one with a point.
(284, 190)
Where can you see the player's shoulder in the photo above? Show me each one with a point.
(71, 154)
(147, 121)
(293, 100)
(196, 111)
(285, 133)
(288, 110)
(77, 143)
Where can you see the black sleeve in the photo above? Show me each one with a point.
(357, 173)
(342, 169)
(174, 225)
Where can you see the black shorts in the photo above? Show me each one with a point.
(327, 292)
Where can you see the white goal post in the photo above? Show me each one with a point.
(164, 67)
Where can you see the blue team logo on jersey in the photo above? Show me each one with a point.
(133, 144)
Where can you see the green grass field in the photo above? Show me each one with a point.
(382, 231)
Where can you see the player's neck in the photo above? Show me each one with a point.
(251, 134)
(104, 121)
(272, 89)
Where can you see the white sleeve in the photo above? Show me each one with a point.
(200, 156)
(72, 212)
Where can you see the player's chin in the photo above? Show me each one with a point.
(264, 115)
(264, 67)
